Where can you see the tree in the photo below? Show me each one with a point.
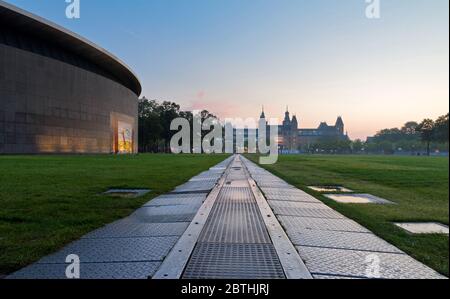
(155, 120)
(357, 146)
(410, 128)
(427, 130)
(441, 129)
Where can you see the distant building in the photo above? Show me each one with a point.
(292, 138)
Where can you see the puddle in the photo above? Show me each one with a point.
(424, 228)
(358, 199)
(330, 189)
(127, 193)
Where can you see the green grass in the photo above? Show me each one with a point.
(49, 201)
(419, 185)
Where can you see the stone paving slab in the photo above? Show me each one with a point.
(333, 277)
(146, 211)
(115, 250)
(293, 223)
(176, 218)
(341, 240)
(298, 204)
(278, 194)
(358, 199)
(325, 261)
(177, 199)
(127, 229)
(301, 212)
(139, 270)
(195, 186)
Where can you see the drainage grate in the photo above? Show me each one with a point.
(235, 222)
(237, 194)
(234, 261)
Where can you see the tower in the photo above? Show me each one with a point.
(340, 126)
(294, 124)
(287, 119)
(263, 115)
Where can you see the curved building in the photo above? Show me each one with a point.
(60, 93)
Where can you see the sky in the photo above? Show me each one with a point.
(321, 58)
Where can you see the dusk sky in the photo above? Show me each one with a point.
(322, 58)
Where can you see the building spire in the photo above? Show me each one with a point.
(263, 115)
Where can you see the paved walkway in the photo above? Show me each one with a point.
(220, 225)
(331, 245)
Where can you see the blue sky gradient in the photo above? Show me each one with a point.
(323, 58)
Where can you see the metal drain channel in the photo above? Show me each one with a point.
(234, 243)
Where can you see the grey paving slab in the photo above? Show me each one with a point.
(127, 229)
(324, 261)
(207, 175)
(288, 195)
(138, 270)
(178, 199)
(358, 199)
(424, 228)
(293, 223)
(323, 189)
(163, 218)
(271, 184)
(301, 212)
(234, 261)
(131, 193)
(298, 204)
(333, 277)
(165, 210)
(341, 240)
(115, 250)
(195, 186)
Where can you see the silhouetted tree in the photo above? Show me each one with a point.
(427, 130)
(441, 129)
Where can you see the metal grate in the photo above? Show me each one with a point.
(235, 222)
(238, 194)
(234, 261)
(234, 242)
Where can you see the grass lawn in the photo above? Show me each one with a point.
(419, 185)
(48, 201)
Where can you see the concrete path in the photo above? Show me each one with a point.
(220, 225)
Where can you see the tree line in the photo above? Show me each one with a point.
(415, 138)
(154, 124)
(412, 138)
